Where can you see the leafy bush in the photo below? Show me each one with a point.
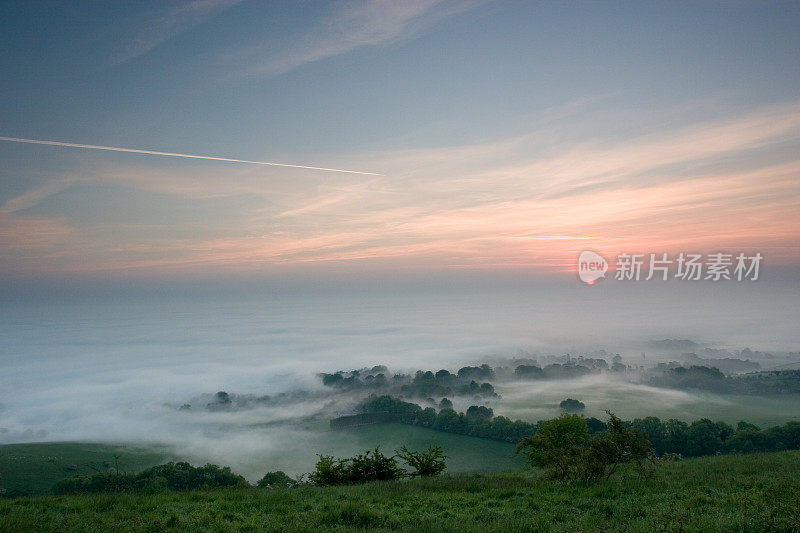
(100, 482)
(184, 476)
(276, 479)
(330, 471)
(430, 462)
(169, 476)
(369, 466)
(566, 450)
(374, 466)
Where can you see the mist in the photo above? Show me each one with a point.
(114, 369)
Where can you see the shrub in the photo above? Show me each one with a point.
(566, 450)
(330, 471)
(184, 476)
(169, 476)
(430, 462)
(276, 479)
(100, 482)
(374, 466)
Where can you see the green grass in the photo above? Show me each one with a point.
(464, 453)
(724, 493)
(34, 468)
(539, 400)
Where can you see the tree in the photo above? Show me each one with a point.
(479, 412)
(564, 447)
(430, 462)
(528, 372)
(276, 479)
(555, 445)
(572, 406)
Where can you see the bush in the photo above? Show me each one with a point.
(370, 466)
(276, 479)
(566, 450)
(330, 471)
(100, 482)
(430, 462)
(374, 466)
(184, 476)
(169, 476)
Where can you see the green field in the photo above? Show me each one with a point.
(723, 493)
(539, 400)
(33, 468)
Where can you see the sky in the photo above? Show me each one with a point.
(488, 137)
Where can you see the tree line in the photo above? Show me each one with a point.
(698, 438)
(373, 465)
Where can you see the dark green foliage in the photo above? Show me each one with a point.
(529, 372)
(374, 466)
(445, 404)
(330, 471)
(169, 476)
(423, 384)
(480, 412)
(430, 462)
(566, 450)
(476, 372)
(276, 479)
(595, 425)
(707, 378)
(572, 406)
(704, 437)
(370, 466)
(100, 482)
(477, 422)
(756, 492)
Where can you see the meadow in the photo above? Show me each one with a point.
(534, 401)
(756, 492)
(33, 468)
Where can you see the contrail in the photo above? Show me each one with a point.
(188, 156)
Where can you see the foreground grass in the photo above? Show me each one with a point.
(33, 468)
(758, 492)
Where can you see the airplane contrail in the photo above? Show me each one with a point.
(187, 156)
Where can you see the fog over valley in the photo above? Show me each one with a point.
(112, 370)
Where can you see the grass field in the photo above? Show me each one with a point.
(539, 400)
(33, 468)
(722, 493)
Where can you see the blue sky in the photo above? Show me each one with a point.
(507, 134)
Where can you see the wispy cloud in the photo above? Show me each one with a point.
(347, 27)
(512, 203)
(168, 23)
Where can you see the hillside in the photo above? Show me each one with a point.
(33, 468)
(735, 493)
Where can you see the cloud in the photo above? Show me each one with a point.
(346, 28)
(519, 202)
(168, 24)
